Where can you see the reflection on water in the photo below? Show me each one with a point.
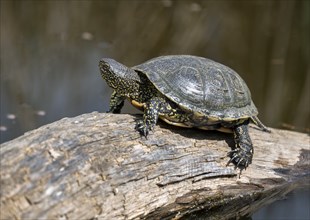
(50, 52)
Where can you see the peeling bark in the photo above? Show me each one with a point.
(96, 166)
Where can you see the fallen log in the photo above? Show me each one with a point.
(95, 166)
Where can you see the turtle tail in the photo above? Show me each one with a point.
(256, 121)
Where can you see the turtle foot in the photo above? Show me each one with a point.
(142, 128)
(240, 158)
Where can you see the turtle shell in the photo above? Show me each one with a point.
(201, 86)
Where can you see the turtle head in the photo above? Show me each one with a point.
(121, 78)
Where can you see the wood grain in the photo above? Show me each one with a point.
(95, 166)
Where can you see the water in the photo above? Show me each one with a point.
(50, 52)
(296, 205)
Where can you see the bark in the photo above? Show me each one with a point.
(97, 166)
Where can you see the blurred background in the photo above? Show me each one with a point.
(50, 51)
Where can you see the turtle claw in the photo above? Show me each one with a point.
(142, 128)
(232, 157)
(240, 159)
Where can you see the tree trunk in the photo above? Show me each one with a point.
(97, 166)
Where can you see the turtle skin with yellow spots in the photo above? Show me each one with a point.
(186, 91)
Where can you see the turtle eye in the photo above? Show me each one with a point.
(104, 66)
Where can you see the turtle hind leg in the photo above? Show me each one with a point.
(256, 121)
(116, 103)
(241, 155)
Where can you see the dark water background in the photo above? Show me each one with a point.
(50, 51)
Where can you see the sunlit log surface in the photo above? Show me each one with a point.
(96, 166)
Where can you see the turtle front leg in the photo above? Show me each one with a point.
(116, 103)
(152, 109)
(242, 155)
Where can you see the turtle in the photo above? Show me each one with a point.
(186, 91)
